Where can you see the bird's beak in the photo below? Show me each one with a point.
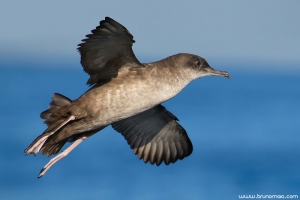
(214, 72)
(221, 73)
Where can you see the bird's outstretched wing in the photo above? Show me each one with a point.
(106, 50)
(155, 136)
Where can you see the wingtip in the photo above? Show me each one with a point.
(107, 18)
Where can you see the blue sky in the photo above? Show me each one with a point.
(234, 30)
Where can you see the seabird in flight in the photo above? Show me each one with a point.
(126, 94)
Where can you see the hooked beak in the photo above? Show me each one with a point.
(214, 72)
(221, 73)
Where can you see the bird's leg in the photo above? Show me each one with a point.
(37, 145)
(61, 155)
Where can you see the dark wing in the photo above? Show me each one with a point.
(155, 136)
(106, 50)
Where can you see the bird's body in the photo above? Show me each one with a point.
(126, 94)
(133, 91)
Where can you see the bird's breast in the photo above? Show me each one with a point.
(122, 98)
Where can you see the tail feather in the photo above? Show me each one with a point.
(54, 121)
(57, 102)
(53, 149)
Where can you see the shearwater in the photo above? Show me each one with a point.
(125, 94)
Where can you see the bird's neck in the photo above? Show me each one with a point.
(169, 79)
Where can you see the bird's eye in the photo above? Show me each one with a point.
(198, 63)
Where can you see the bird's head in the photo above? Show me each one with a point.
(195, 66)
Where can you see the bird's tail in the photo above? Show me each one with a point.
(55, 118)
(58, 101)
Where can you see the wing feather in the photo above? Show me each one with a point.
(106, 50)
(155, 136)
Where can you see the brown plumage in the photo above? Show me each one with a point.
(125, 94)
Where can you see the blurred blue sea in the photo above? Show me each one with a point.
(245, 132)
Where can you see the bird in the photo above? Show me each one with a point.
(125, 94)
